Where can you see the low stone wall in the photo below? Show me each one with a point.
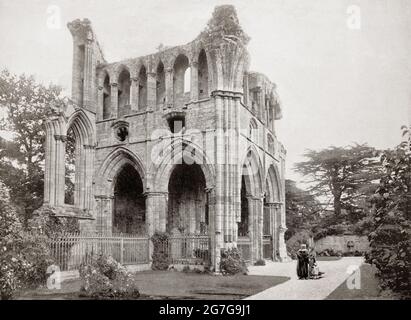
(340, 243)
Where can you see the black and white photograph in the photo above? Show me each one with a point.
(217, 151)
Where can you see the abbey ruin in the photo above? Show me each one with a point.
(180, 141)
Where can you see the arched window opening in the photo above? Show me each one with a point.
(142, 90)
(187, 201)
(70, 168)
(160, 85)
(106, 98)
(124, 84)
(243, 225)
(187, 80)
(202, 75)
(129, 202)
(181, 79)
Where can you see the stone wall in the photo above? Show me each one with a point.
(339, 243)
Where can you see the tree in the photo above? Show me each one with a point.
(390, 241)
(302, 209)
(26, 104)
(344, 175)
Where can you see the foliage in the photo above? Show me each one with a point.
(26, 105)
(294, 243)
(391, 239)
(344, 175)
(24, 258)
(160, 254)
(232, 262)
(45, 222)
(338, 253)
(260, 262)
(302, 209)
(104, 277)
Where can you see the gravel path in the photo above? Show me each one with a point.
(294, 289)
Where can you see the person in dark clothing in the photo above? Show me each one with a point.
(302, 263)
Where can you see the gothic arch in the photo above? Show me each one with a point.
(273, 185)
(172, 155)
(252, 172)
(82, 127)
(113, 164)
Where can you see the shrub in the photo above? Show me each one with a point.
(232, 262)
(294, 243)
(160, 256)
(260, 262)
(390, 240)
(103, 277)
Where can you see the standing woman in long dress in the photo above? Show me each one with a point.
(302, 263)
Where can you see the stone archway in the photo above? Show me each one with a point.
(187, 200)
(121, 170)
(249, 226)
(129, 208)
(274, 217)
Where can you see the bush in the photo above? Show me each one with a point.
(390, 240)
(104, 277)
(260, 262)
(160, 257)
(24, 258)
(232, 262)
(294, 243)
(36, 253)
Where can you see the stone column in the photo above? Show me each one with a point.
(169, 87)
(151, 91)
(282, 249)
(194, 81)
(59, 163)
(88, 76)
(114, 100)
(104, 214)
(245, 88)
(156, 212)
(88, 176)
(273, 207)
(100, 103)
(134, 88)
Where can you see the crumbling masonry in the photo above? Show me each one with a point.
(181, 140)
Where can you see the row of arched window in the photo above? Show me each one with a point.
(181, 83)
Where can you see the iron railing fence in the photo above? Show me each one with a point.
(189, 249)
(70, 250)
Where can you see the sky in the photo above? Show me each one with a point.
(342, 67)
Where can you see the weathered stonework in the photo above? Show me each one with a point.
(138, 114)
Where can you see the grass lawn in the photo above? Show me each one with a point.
(177, 285)
(369, 287)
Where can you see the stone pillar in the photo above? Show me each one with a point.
(114, 100)
(282, 249)
(88, 74)
(194, 81)
(88, 176)
(245, 89)
(151, 91)
(134, 88)
(59, 163)
(100, 103)
(273, 208)
(156, 212)
(169, 87)
(104, 214)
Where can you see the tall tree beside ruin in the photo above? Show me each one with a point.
(24, 105)
(346, 176)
